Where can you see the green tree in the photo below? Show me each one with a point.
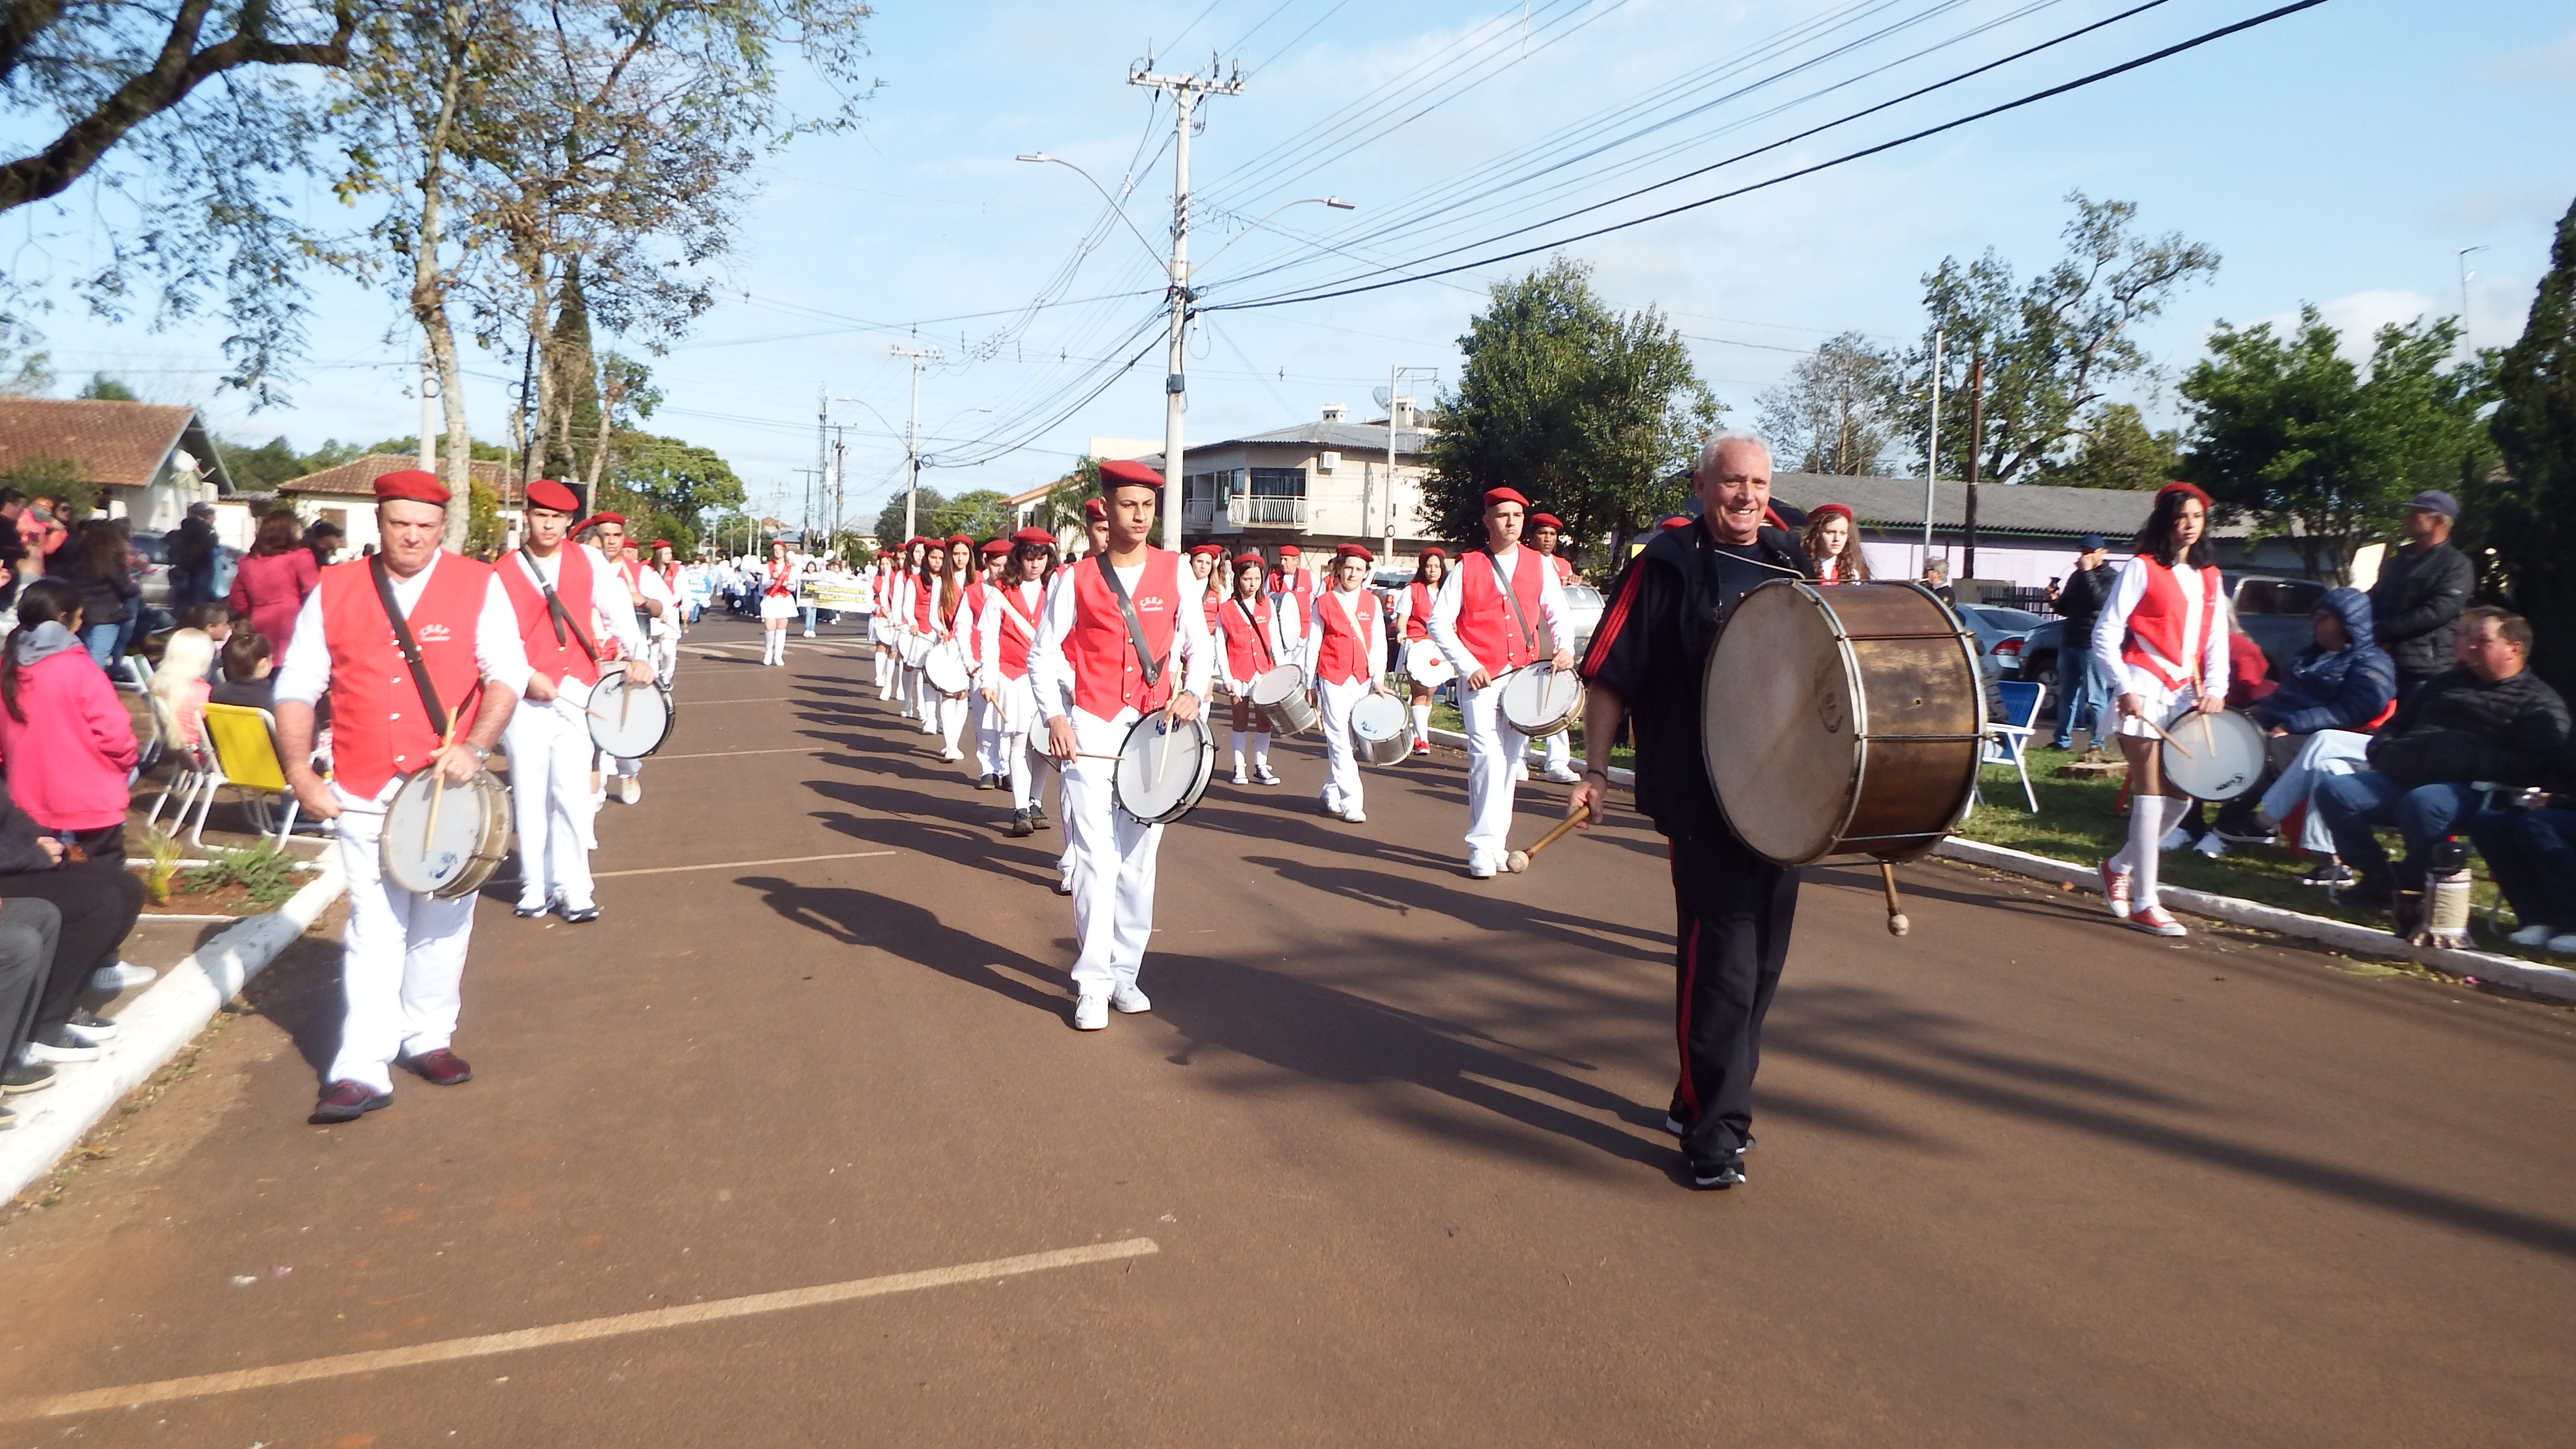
(261, 469)
(979, 515)
(2119, 451)
(103, 388)
(2533, 525)
(1832, 413)
(1592, 413)
(2051, 346)
(51, 477)
(667, 488)
(926, 505)
(2322, 452)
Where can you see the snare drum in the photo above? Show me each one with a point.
(1380, 732)
(1163, 768)
(913, 649)
(1425, 665)
(629, 721)
(2213, 756)
(445, 841)
(944, 668)
(1539, 701)
(1281, 694)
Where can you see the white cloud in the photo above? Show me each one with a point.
(2546, 67)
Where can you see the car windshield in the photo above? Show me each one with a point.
(2009, 618)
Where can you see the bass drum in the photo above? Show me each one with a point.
(630, 721)
(445, 841)
(1163, 768)
(1843, 721)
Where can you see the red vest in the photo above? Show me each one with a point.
(1347, 654)
(370, 680)
(921, 594)
(1485, 623)
(536, 623)
(1564, 569)
(1019, 630)
(1247, 645)
(781, 572)
(2157, 623)
(1106, 677)
(1417, 616)
(1212, 601)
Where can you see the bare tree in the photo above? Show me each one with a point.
(1833, 413)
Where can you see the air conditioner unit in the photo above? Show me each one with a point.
(1327, 462)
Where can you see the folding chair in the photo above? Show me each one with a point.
(192, 767)
(2008, 738)
(244, 741)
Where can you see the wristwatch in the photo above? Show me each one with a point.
(481, 754)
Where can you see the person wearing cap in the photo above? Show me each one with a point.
(982, 597)
(1292, 595)
(948, 623)
(650, 604)
(880, 631)
(2081, 698)
(1733, 909)
(1556, 752)
(1247, 647)
(2422, 590)
(1345, 648)
(403, 953)
(1831, 546)
(1546, 531)
(777, 585)
(1095, 527)
(1122, 636)
(1425, 667)
(2161, 641)
(1491, 616)
(1008, 630)
(561, 593)
(1205, 561)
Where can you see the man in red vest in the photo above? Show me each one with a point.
(403, 952)
(1556, 750)
(561, 593)
(1345, 655)
(1495, 610)
(651, 605)
(1292, 598)
(1095, 672)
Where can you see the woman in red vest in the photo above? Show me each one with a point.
(1832, 547)
(2162, 642)
(1425, 667)
(1009, 629)
(1247, 647)
(777, 603)
(912, 617)
(1345, 645)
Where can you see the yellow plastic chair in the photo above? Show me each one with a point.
(244, 741)
(192, 767)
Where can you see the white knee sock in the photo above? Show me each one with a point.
(1422, 722)
(1261, 751)
(2149, 820)
(1238, 752)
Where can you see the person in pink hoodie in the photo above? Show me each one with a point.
(66, 740)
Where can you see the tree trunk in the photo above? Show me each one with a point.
(429, 280)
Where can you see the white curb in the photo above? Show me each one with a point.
(155, 1027)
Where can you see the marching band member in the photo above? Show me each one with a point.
(1247, 647)
(982, 597)
(560, 593)
(1203, 564)
(404, 697)
(915, 591)
(1345, 651)
(649, 604)
(1831, 546)
(1292, 593)
(1118, 628)
(777, 603)
(1487, 619)
(1009, 627)
(881, 623)
(1556, 750)
(950, 626)
(1095, 527)
(1425, 667)
(663, 638)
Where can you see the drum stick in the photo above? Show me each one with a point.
(625, 702)
(1519, 860)
(2207, 740)
(438, 780)
(2178, 745)
(1897, 925)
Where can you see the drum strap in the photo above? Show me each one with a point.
(1529, 636)
(1258, 641)
(561, 617)
(409, 646)
(1145, 660)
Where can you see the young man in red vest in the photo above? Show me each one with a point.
(1486, 633)
(1010, 630)
(1556, 750)
(1093, 679)
(561, 593)
(404, 953)
(1345, 654)
(1292, 598)
(648, 604)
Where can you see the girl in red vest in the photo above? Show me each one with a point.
(1009, 629)
(777, 603)
(953, 570)
(1832, 547)
(2162, 642)
(1425, 667)
(1247, 647)
(1345, 648)
(912, 620)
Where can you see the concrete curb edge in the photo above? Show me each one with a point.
(156, 1027)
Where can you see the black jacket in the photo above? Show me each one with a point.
(2416, 603)
(20, 854)
(2080, 602)
(2458, 729)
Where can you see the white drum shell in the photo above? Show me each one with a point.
(2221, 755)
(1281, 693)
(1381, 734)
(1157, 779)
(471, 837)
(944, 668)
(1539, 701)
(629, 721)
(1425, 665)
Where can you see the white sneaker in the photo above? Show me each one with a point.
(1520, 770)
(1332, 802)
(1241, 778)
(1480, 866)
(1264, 776)
(1129, 1000)
(2563, 945)
(1090, 1013)
(630, 790)
(120, 976)
(809, 633)
(2175, 839)
(951, 756)
(2533, 935)
(2210, 845)
(1355, 816)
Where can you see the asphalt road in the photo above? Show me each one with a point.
(1382, 1167)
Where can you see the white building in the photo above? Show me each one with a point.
(1312, 484)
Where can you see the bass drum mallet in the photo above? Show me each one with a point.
(1519, 860)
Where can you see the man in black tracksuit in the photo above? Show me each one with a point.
(2421, 591)
(1733, 909)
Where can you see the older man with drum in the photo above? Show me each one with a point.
(1123, 638)
(1733, 908)
(561, 593)
(419, 651)
(1493, 613)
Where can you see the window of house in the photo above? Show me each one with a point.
(1278, 482)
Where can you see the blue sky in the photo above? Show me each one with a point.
(2341, 156)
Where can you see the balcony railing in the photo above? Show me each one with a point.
(1259, 512)
(1198, 513)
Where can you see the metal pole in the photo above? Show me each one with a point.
(912, 454)
(1393, 372)
(1976, 440)
(1932, 459)
(1175, 374)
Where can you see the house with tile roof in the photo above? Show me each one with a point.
(147, 461)
(345, 496)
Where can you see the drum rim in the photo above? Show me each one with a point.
(670, 712)
(1563, 722)
(2164, 770)
(489, 851)
(1190, 797)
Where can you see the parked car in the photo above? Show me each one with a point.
(2001, 635)
(2273, 612)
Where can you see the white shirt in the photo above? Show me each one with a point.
(607, 595)
(1351, 604)
(1443, 623)
(1051, 670)
(2111, 631)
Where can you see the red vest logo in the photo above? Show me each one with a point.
(435, 634)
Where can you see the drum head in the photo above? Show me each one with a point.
(2221, 755)
(1378, 717)
(1538, 700)
(440, 841)
(945, 668)
(629, 721)
(1272, 686)
(1776, 725)
(1162, 768)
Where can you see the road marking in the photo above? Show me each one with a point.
(728, 754)
(486, 1345)
(740, 864)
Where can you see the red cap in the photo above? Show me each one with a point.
(413, 484)
(1120, 473)
(958, 538)
(1290, 550)
(1821, 509)
(1545, 520)
(1212, 550)
(662, 543)
(2186, 488)
(1353, 550)
(1037, 537)
(620, 520)
(996, 547)
(1095, 510)
(1248, 561)
(548, 494)
(1504, 495)
(1435, 551)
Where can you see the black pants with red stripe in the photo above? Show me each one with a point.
(1734, 911)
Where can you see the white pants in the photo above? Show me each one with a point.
(988, 736)
(2327, 753)
(1556, 750)
(1493, 747)
(1113, 863)
(550, 799)
(951, 710)
(664, 651)
(1341, 760)
(402, 963)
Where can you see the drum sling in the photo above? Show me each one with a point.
(410, 647)
(1151, 667)
(1258, 642)
(1502, 580)
(555, 610)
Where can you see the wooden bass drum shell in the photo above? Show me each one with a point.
(1843, 720)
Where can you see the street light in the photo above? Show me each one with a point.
(1114, 203)
(2465, 274)
(1335, 202)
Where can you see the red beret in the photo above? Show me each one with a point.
(959, 538)
(620, 520)
(1678, 520)
(661, 543)
(996, 547)
(1120, 473)
(1248, 561)
(1436, 551)
(1036, 537)
(1353, 550)
(1494, 496)
(1095, 510)
(1822, 509)
(1212, 550)
(413, 484)
(1290, 550)
(548, 494)
(1546, 520)
(2186, 488)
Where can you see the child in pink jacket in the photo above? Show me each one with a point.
(65, 738)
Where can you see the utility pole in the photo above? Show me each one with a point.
(912, 438)
(1976, 437)
(1932, 459)
(1186, 90)
(840, 476)
(822, 457)
(2465, 274)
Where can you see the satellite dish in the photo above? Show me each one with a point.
(1385, 398)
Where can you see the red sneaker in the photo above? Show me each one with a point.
(2115, 889)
